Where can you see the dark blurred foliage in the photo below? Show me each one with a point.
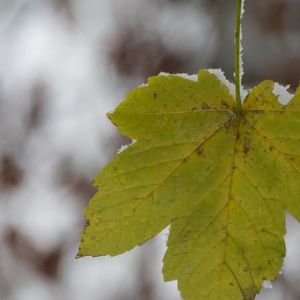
(134, 54)
(270, 34)
(10, 173)
(25, 253)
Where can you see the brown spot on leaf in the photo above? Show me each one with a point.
(249, 293)
(246, 145)
(230, 124)
(225, 104)
(205, 106)
(200, 151)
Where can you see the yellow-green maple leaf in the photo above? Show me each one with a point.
(222, 179)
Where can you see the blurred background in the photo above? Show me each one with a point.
(63, 65)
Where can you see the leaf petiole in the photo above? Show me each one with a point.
(238, 58)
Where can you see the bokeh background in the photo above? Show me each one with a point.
(63, 65)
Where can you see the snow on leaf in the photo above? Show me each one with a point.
(281, 91)
(222, 180)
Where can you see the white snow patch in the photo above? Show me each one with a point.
(143, 85)
(193, 77)
(242, 52)
(267, 284)
(231, 87)
(165, 234)
(243, 92)
(243, 7)
(221, 76)
(164, 74)
(281, 91)
(241, 62)
(241, 46)
(124, 147)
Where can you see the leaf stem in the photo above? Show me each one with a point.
(238, 29)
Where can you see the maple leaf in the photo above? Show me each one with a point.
(222, 178)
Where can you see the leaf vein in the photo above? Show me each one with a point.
(245, 260)
(127, 215)
(255, 229)
(261, 195)
(235, 279)
(267, 141)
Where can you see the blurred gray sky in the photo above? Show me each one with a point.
(63, 65)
